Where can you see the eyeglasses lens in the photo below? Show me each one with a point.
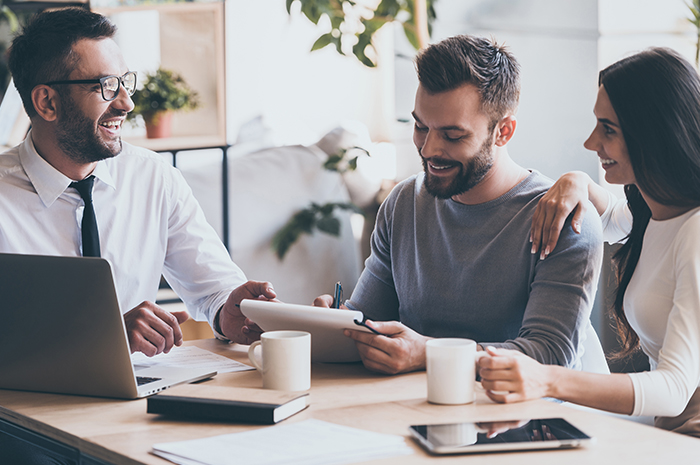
(129, 83)
(110, 85)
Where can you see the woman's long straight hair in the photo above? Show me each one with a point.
(656, 96)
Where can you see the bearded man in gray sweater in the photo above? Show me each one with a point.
(451, 253)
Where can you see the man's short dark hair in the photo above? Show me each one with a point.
(43, 51)
(466, 59)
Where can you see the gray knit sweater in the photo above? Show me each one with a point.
(451, 270)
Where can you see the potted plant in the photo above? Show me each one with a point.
(317, 216)
(163, 92)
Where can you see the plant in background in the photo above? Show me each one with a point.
(317, 216)
(163, 91)
(340, 163)
(416, 17)
(695, 20)
(10, 16)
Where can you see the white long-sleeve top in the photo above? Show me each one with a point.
(148, 220)
(662, 304)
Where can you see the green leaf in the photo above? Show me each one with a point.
(326, 209)
(352, 164)
(336, 20)
(305, 220)
(311, 11)
(350, 207)
(410, 31)
(302, 222)
(11, 18)
(357, 147)
(363, 41)
(338, 45)
(329, 225)
(331, 164)
(322, 41)
(388, 8)
(289, 6)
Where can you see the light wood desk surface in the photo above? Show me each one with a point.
(122, 432)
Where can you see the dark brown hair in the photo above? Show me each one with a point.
(43, 51)
(466, 59)
(656, 96)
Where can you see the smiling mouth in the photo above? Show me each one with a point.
(608, 161)
(113, 125)
(440, 165)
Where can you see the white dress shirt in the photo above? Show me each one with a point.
(148, 220)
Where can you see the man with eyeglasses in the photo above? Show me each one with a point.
(72, 187)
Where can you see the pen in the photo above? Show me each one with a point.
(365, 325)
(337, 295)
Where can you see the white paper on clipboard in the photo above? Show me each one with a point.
(326, 325)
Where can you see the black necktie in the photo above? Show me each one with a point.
(91, 239)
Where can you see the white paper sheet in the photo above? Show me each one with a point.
(310, 442)
(194, 357)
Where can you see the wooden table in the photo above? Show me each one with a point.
(121, 432)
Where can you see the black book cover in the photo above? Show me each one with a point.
(224, 408)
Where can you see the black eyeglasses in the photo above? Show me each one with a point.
(109, 85)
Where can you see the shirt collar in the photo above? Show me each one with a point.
(48, 182)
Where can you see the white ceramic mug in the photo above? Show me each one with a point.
(450, 363)
(285, 362)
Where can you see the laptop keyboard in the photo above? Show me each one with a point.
(141, 380)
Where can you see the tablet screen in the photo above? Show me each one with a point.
(499, 436)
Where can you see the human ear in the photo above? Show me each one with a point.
(46, 102)
(505, 130)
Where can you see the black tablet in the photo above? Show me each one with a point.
(499, 436)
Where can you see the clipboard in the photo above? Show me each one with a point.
(326, 325)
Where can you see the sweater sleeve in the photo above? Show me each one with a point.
(561, 297)
(666, 390)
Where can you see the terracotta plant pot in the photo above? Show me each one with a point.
(160, 125)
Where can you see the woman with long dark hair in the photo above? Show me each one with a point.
(647, 137)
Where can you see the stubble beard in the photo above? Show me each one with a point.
(467, 178)
(78, 137)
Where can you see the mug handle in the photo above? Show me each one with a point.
(251, 355)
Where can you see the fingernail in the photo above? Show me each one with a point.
(245, 330)
(533, 249)
(576, 227)
(546, 251)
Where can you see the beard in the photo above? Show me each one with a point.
(468, 176)
(78, 137)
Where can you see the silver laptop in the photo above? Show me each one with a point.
(61, 331)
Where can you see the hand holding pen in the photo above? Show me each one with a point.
(400, 349)
(338, 299)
